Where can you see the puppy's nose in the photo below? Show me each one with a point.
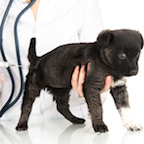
(133, 72)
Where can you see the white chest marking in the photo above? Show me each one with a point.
(120, 82)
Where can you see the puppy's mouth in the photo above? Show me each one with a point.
(130, 73)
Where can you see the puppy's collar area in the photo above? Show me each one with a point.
(6, 65)
(117, 83)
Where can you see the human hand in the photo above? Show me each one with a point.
(108, 81)
(78, 78)
(0, 79)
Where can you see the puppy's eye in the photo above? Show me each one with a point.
(122, 56)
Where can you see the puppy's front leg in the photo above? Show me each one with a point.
(92, 96)
(120, 96)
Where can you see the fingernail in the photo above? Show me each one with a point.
(77, 68)
(109, 78)
(83, 66)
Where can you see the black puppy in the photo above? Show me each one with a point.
(115, 53)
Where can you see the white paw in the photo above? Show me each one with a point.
(133, 126)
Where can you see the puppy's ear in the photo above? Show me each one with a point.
(105, 38)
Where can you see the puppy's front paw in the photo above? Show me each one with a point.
(21, 127)
(132, 126)
(100, 128)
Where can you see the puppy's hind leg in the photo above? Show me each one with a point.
(30, 93)
(62, 97)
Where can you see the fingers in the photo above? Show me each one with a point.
(88, 68)
(74, 79)
(81, 80)
(0, 79)
(108, 81)
(78, 78)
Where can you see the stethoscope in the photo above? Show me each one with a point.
(6, 64)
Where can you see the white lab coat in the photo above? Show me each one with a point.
(58, 22)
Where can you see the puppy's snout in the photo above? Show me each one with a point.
(133, 72)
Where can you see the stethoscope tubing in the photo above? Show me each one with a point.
(8, 105)
(4, 58)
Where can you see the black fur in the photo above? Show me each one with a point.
(53, 72)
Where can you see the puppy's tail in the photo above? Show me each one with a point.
(32, 51)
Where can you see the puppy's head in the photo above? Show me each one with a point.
(120, 49)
